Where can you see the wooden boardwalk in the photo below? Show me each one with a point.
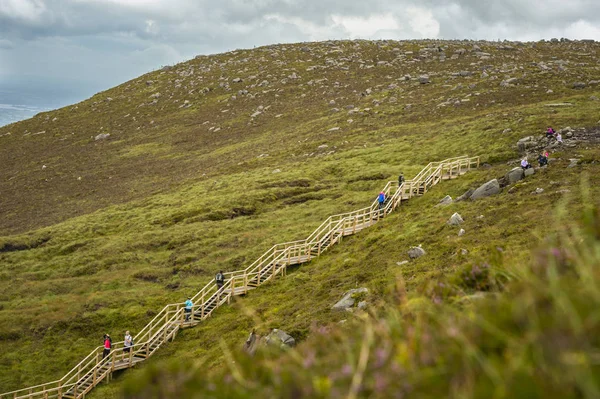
(164, 326)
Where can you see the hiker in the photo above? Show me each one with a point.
(559, 138)
(550, 132)
(220, 279)
(107, 345)
(543, 159)
(525, 164)
(188, 308)
(127, 342)
(400, 179)
(381, 199)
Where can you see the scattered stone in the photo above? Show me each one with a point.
(515, 175)
(276, 171)
(237, 80)
(43, 167)
(447, 200)
(334, 129)
(508, 130)
(424, 79)
(488, 189)
(280, 338)
(102, 136)
(466, 195)
(455, 219)
(574, 162)
(362, 305)
(559, 105)
(538, 191)
(404, 262)
(461, 232)
(579, 85)
(416, 252)
(349, 299)
(509, 82)
(464, 252)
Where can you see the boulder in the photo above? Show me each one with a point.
(280, 338)
(424, 79)
(579, 85)
(455, 220)
(416, 252)
(488, 189)
(349, 299)
(447, 200)
(529, 172)
(515, 175)
(526, 143)
(466, 195)
(102, 136)
(362, 305)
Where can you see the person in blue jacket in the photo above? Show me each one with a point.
(381, 199)
(188, 308)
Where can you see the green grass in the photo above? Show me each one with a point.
(160, 209)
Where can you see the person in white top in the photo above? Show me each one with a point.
(127, 342)
(559, 138)
(525, 164)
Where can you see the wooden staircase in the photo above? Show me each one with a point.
(164, 326)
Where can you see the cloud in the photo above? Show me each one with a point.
(6, 44)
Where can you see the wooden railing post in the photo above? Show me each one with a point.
(231, 293)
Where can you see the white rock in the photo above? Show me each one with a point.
(461, 232)
(455, 219)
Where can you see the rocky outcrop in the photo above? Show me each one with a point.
(515, 175)
(280, 338)
(486, 190)
(349, 299)
(466, 195)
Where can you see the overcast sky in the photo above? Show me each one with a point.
(60, 51)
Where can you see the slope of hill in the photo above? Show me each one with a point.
(134, 198)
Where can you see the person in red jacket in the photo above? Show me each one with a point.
(107, 345)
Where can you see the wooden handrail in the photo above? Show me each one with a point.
(265, 267)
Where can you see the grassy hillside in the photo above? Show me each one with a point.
(100, 234)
